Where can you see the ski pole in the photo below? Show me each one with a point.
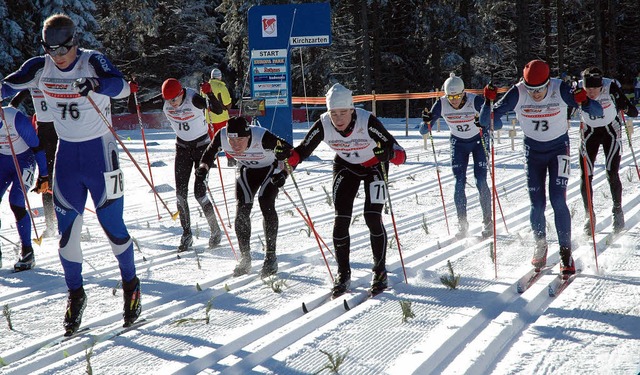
(435, 159)
(38, 238)
(495, 193)
(310, 222)
(486, 155)
(587, 182)
(306, 220)
(635, 161)
(146, 152)
(224, 195)
(174, 216)
(393, 219)
(226, 233)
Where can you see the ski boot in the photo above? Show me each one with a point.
(487, 229)
(270, 265)
(216, 237)
(539, 259)
(27, 261)
(341, 284)
(185, 242)
(76, 303)
(618, 219)
(132, 301)
(379, 282)
(567, 265)
(244, 266)
(463, 228)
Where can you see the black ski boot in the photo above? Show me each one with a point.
(76, 303)
(567, 265)
(341, 284)
(379, 282)
(244, 265)
(27, 261)
(270, 265)
(539, 259)
(185, 242)
(618, 219)
(132, 301)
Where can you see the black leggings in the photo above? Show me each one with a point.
(251, 181)
(346, 183)
(187, 159)
(607, 136)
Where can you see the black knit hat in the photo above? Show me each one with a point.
(238, 127)
(592, 77)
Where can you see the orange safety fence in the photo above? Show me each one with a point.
(380, 97)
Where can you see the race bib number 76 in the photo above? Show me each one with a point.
(114, 184)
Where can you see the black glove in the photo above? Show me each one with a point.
(84, 86)
(202, 171)
(426, 116)
(476, 121)
(279, 179)
(382, 154)
(42, 185)
(281, 153)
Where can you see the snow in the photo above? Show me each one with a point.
(483, 326)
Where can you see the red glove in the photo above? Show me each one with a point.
(294, 159)
(579, 95)
(133, 86)
(399, 157)
(490, 92)
(205, 87)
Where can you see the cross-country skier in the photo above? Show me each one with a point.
(540, 104)
(258, 172)
(27, 153)
(217, 121)
(362, 147)
(183, 107)
(87, 158)
(459, 110)
(49, 142)
(604, 130)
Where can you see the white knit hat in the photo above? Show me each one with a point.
(216, 73)
(453, 85)
(339, 97)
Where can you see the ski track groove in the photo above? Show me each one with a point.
(325, 316)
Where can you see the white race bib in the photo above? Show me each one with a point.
(114, 184)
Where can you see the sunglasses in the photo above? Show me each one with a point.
(59, 49)
(535, 90)
(454, 97)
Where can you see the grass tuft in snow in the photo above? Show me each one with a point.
(335, 361)
(425, 225)
(2, 362)
(115, 289)
(227, 288)
(197, 231)
(198, 287)
(206, 319)
(135, 242)
(407, 313)
(328, 198)
(6, 311)
(451, 280)
(491, 253)
(276, 284)
(88, 352)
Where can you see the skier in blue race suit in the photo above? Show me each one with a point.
(540, 104)
(87, 159)
(23, 144)
(460, 110)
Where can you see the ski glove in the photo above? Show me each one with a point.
(382, 154)
(133, 87)
(490, 92)
(426, 115)
(42, 185)
(205, 87)
(281, 153)
(424, 128)
(278, 179)
(84, 86)
(579, 95)
(202, 171)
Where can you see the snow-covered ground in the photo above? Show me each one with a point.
(483, 326)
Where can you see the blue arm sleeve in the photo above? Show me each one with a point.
(28, 133)
(500, 108)
(436, 110)
(592, 107)
(112, 82)
(23, 78)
